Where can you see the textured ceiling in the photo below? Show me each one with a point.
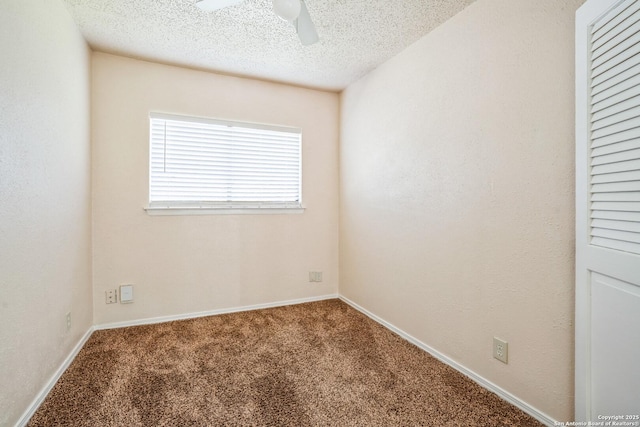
(250, 40)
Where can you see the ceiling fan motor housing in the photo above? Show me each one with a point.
(289, 10)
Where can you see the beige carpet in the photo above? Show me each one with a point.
(315, 364)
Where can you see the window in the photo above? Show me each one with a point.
(207, 165)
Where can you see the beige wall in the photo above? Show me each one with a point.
(457, 212)
(186, 264)
(456, 196)
(45, 226)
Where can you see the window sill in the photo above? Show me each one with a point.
(223, 210)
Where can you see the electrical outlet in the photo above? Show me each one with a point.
(315, 276)
(68, 318)
(500, 350)
(111, 296)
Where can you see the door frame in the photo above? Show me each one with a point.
(589, 258)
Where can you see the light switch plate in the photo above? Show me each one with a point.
(126, 294)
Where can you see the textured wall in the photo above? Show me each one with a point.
(45, 226)
(185, 264)
(457, 212)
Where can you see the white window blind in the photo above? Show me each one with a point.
(205, 163)
(615, 129)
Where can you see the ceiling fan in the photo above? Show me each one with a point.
(294, 11)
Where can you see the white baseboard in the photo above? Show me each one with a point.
(162, 319)
(535, 413)
(35, 404)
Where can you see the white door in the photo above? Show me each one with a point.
(607, 359)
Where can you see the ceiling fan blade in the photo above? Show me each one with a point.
(211, 5)
(304, 26)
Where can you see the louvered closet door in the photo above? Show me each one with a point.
(608, 209)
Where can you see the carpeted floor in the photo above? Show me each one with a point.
(315, 364)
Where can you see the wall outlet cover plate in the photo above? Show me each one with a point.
(111, 296)
(126, 294)
(500, 350)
